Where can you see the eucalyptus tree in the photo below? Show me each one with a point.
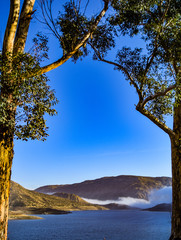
(25, 96)
(154, 70)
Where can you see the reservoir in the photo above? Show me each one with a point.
(94, 225)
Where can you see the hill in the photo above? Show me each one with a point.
(28, 201)
(114, 206)
(111, 188)
(163, 207)
(70, 196)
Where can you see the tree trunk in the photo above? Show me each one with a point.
(6, 157)
(176, 176)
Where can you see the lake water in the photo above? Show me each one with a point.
(94, 225)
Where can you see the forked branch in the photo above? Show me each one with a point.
(23, 26)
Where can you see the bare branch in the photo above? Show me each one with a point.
(46, 10)
(11, 27)
(52, 20)
(86, 6)
(48, 13)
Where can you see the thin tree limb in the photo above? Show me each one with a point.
(47, 13)
(122, 69)
(48, 21)
(150, 60)
(51, 18)
(86, 6)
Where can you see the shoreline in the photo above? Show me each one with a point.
(21, 216)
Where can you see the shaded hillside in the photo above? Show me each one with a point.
(114, 206)
(111, 188)
(34, 202)
(163, 207)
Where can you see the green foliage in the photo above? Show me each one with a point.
(152, 69)
(40, 47)
(103, 39)
(157, 78)
(155, 20)
(157, 66)
(73, 27)
(25, 97)
(130, 15)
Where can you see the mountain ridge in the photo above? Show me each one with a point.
(111, 188)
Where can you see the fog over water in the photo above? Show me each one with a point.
(163, 195)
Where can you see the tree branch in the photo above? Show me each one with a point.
(67, 56)
(141, 103)
(150, 60)
(11, 27)
(23, 26)
(158, 94)
(121, 68)
(155, 120)
(46, 10)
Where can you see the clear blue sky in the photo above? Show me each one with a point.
(97, 131)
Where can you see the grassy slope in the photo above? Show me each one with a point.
(25, 200)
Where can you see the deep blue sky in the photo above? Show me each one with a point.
(97, 131)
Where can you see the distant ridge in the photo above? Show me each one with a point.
(111, 188)
(114, 206)
(163, 207)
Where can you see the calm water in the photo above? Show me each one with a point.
(94, 225)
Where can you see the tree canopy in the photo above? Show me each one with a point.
(153, 70)
(32, 97)
(24, 85)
